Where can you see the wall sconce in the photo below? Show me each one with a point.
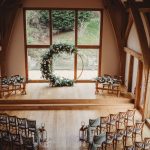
(0, 48)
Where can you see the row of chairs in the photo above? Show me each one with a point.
(112, 84)
(12, 84)
(12, 141)
(17, 130)
(109, 130)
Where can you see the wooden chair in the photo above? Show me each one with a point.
(15, 84)
(103, 125)
(93, 124)
(129, 147)
(16, 141)
(112, 122)
(12, 120)
(31, 127)
(130, 116)
(128, 135)
(29, 144)
(119, 137)
(144, 145)
(22, 126)
(6, 140)
(98, 141)
(121, 120)
(138, 130)
(4, 121)
(109, 142)
(4, 86)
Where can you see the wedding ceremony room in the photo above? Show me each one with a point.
(74, 75)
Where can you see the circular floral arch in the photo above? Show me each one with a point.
(47, 64)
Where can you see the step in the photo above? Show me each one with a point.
(61, 106)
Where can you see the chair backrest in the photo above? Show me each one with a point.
(129, 129)
(94, 122)
(110, 136)
(113, 117)
(122, 115)
(139, 125)
(28, 142)
(131, 113)
(12, 120)
(147, 142)
(120, 132)
(3, 80)
(104, 120)
(31, 125)
(22, 122)
(5, 135)
(3, 118)
(15, 138)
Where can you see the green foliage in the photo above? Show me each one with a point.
(63, 20)
(47, 64)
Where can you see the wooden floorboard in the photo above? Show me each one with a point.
(63, 125)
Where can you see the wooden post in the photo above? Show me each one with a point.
(130, 76)
(138, 84)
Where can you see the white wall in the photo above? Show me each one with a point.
(133, 40)
(16, 51)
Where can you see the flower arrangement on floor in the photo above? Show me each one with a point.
(12, 80)
(47, 64)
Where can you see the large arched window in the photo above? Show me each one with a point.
(81, 28)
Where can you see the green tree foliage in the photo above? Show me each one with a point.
(63, 20)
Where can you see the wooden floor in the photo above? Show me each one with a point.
(63, 125)
(63, 109)
(81, 96)
(43, 91)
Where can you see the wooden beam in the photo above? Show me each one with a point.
(116, 10)
(138, 84)
(144, 47)
(133, 53)
(130, 76)
(145, 10)
(128, 28)
(141, 33)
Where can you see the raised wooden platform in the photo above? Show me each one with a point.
(81, 96)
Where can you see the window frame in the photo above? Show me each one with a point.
(26, 46)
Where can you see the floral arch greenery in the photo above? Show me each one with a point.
(47, 64)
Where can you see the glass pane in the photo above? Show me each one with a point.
(89, 65)
(89, 27)
(34, 59)
(63, 23)
(37, 27)
(64, 65)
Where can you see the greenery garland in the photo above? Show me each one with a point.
(47, 64)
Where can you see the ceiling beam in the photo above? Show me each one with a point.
(119, 18)
(144, 48)
(141, 32)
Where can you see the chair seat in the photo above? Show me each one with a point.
(112, 123)
(120, 120)
(136, 130)
(128, 134)
(139, 144)
(103, 125)
(147, 146)
(119, 137)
